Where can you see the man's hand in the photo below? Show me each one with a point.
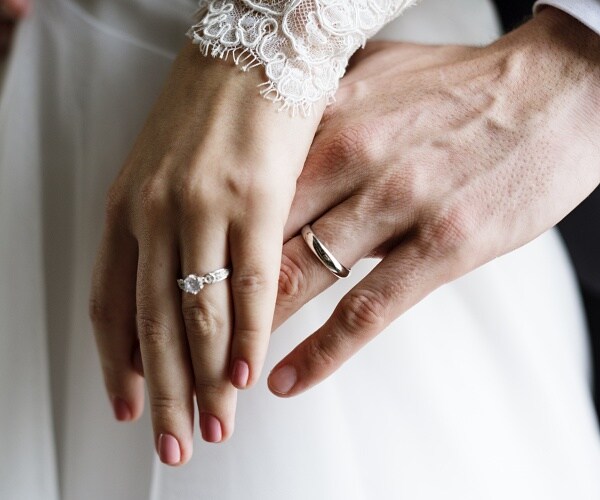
(437, 159)
(10, 12)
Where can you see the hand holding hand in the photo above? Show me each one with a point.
(437, 159)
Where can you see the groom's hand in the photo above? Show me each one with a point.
(437, 159)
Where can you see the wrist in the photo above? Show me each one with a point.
(566, 53)
(553, 63)
(575, 51)
(215, 102)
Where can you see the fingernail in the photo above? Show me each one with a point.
(283, 379)
(168, 449)
(240, 374)
(211, 428)
(121, 409)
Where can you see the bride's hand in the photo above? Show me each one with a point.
(437, 159)
(208, 184)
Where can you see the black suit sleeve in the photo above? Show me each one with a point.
(513, 12)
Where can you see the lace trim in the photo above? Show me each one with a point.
(304, 45)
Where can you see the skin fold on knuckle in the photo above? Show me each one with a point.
(154, 331)
(249, 282)
(166, 409)
(210, 391)
(449, 234)
(350, 146)
(320, 354)
(362, 313)
(202, 321)
(291, 286)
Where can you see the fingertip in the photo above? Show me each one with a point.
(121, 409)
(169, 449)
(127, 408)
(211, 428)
(282, 380)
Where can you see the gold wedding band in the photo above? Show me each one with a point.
(323, 254)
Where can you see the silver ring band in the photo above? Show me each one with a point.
(324, 255)
(193, 283)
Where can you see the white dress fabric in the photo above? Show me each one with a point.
(481, 391)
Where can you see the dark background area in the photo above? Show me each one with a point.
(513, 12)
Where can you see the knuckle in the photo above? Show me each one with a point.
(404, 186)
(165, 407)
(322, 352)
(351, 145)
(246, 339)
(152, 198)
(153, 331)
(362, 312)
(208, 389)
(189, 195)
(242, 185)
(291, 285)
(248, 282)
(448, 233)
(202, 321)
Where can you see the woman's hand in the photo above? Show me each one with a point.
(437, 159)
(10, 12)
(209, 183)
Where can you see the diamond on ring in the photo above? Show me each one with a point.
(193, 283)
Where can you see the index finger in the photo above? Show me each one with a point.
(398, 282)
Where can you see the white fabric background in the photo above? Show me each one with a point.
(480, 391)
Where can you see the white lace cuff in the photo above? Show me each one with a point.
(304, 45)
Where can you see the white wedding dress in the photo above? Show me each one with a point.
(481, 391)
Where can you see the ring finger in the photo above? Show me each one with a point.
(207, 316)
(348, 232)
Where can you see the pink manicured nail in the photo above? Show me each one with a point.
(168, 449)
(211, 428)
(240, 374)
(283, 379)
(121, 409)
